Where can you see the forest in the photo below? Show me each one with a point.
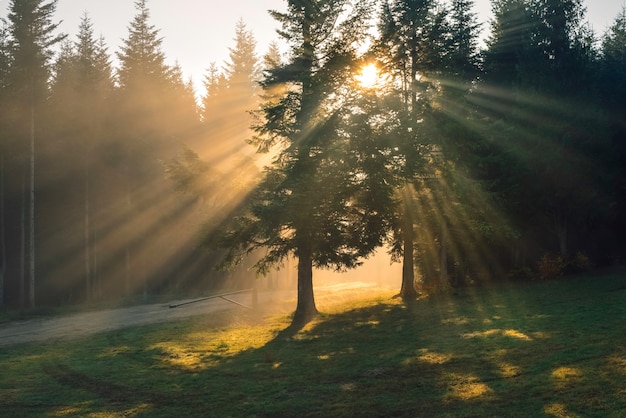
(385, 125)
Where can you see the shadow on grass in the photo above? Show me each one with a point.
(539, 349)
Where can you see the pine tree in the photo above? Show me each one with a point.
(507, 44)
(231, 95)
(144, 83)
(464, 30)
(31, 40)
(4, 73)
(242, 68)
(613, 81)
(272, 57)
(540, 91)
(312, 201)
(142, 62)
(414, 48)
(80, 100)
(215, 85)
(613, 96)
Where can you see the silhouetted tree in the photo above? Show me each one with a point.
(155, 112)
(539, 93)
(413, 49)
(314, 201)
(30, 47)
(613, 95)
(230, 96)
(80, 100)
(4, 73)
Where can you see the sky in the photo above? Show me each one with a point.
(198, 33)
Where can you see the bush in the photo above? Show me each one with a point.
(551, 266)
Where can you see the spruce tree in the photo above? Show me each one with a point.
(313, 202)
(31, 38)
(613, 96)
(231, 96)
(413, 49)
(4, 72)
(146, 129)
(464, 31)
(80, 100)
(539, 93)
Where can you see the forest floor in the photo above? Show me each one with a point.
(70, 326)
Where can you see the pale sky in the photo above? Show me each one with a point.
(198, 32)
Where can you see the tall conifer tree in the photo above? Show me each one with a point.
(32, 36)
(413, 47)
(312, 201)
(539, 92)
(80, 99)
(4, 72)
(143, 80)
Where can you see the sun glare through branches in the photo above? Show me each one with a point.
(368, 76)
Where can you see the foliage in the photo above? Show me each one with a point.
(551, 266)
(319, 199)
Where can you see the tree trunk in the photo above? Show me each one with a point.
(561, 233)
(23, 243)
(127, 255)
(127, 286)
(88, 281)
(443, 262)
(3, 251)
(407, 289)
(95, 280)
(306, 309)
(31, 232)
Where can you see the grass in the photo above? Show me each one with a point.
(553, 349)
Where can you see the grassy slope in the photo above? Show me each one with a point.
(540, 349)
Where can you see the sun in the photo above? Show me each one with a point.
(368, 76)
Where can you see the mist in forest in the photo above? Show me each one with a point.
(115, 177)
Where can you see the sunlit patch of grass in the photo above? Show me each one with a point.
(618, 363)
(175, 355)
(67, 411)
(558, 410)
(481, 334)
(566, 373)
(565, 377)
(516, 334)
(431, 357)
(466, 387)
(511, 333)
(461, 320)
(508, 370)
(78, 410)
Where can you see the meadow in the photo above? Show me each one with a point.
(551, 348)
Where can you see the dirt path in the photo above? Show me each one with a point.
(88, 323)
(82, 324)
